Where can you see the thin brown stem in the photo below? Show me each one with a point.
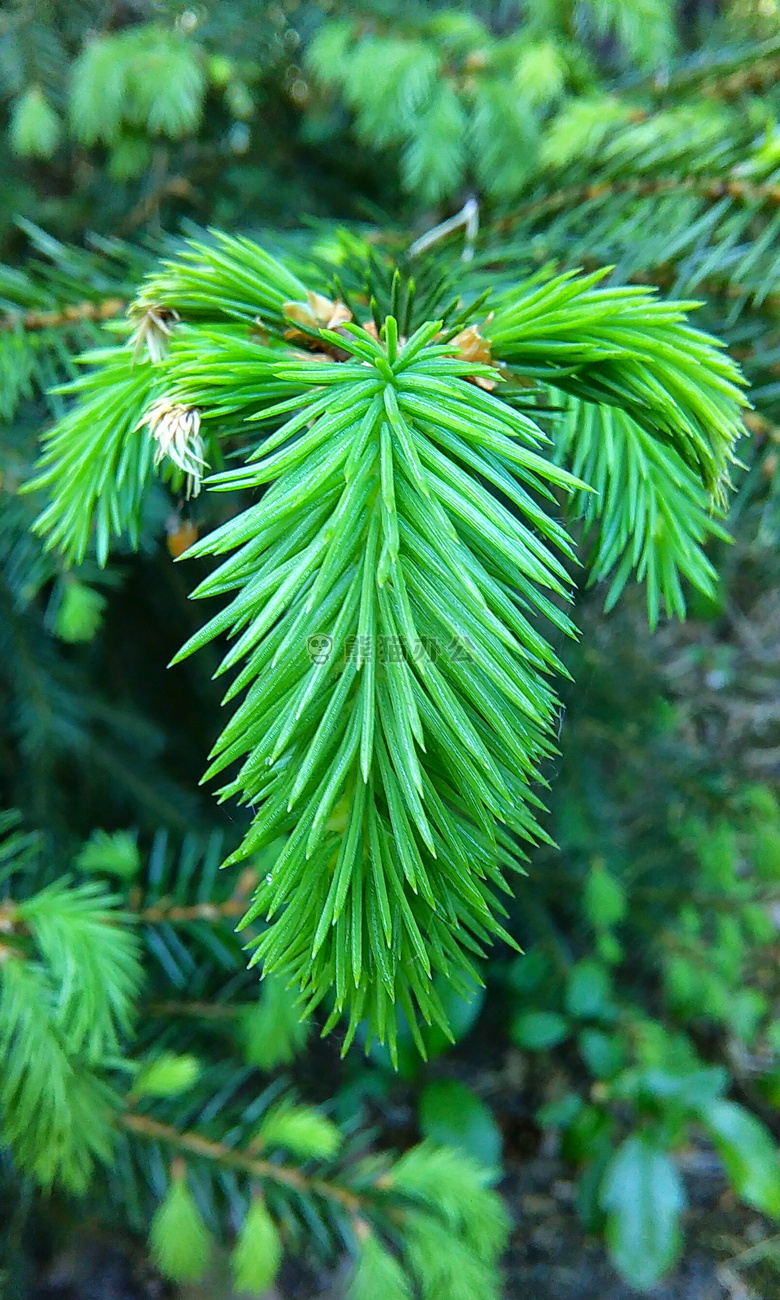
(203, 1010)
(192, 1143)
(32, 321)
(165, 911)
(710, 187)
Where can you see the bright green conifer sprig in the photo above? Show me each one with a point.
(396, 777)
(70, 975)
(90, 1102)
(390, 585)
(623, 346)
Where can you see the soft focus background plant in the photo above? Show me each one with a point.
(643, 137)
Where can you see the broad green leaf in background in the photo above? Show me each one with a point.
(452, 1115)
(589, 992)
(539, 1030)
(748, 1153)
(688, 1090)
(605, 899)
(604, 1054)
(643, 1196)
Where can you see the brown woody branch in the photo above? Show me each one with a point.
(203, 1010)
(193, 1144)
(31, 321)
(165, 911)
(709, 187)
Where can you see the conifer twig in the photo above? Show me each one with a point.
(710, 187)
(163, 911)
(468, 218)
(32, 321)
(155, 1131)
(203, 1010)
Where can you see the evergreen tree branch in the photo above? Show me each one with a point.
(717, 71)
(194, 1144)
(569, 198)
(108, 309)
(370, 451)
(174, 914)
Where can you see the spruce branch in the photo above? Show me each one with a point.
(70, 975)
(107, 462)
(174, 914)
(569, 198)
(432, 1208)
(647, 515)
(388, 588)
(408, 462)
(56, 1107)
(624, 347)
(723, 71)
(191, 1143)
(108, 310)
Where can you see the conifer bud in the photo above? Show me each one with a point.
(318, 312)
(176, 430)
(152, 331)
(179, 1239)
(473, 346)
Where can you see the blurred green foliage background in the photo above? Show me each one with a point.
(641, 135)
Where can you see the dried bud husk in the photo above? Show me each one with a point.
(182, 533)
(318, 312)
(176, 430)
(152, 331)
(473, 346)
